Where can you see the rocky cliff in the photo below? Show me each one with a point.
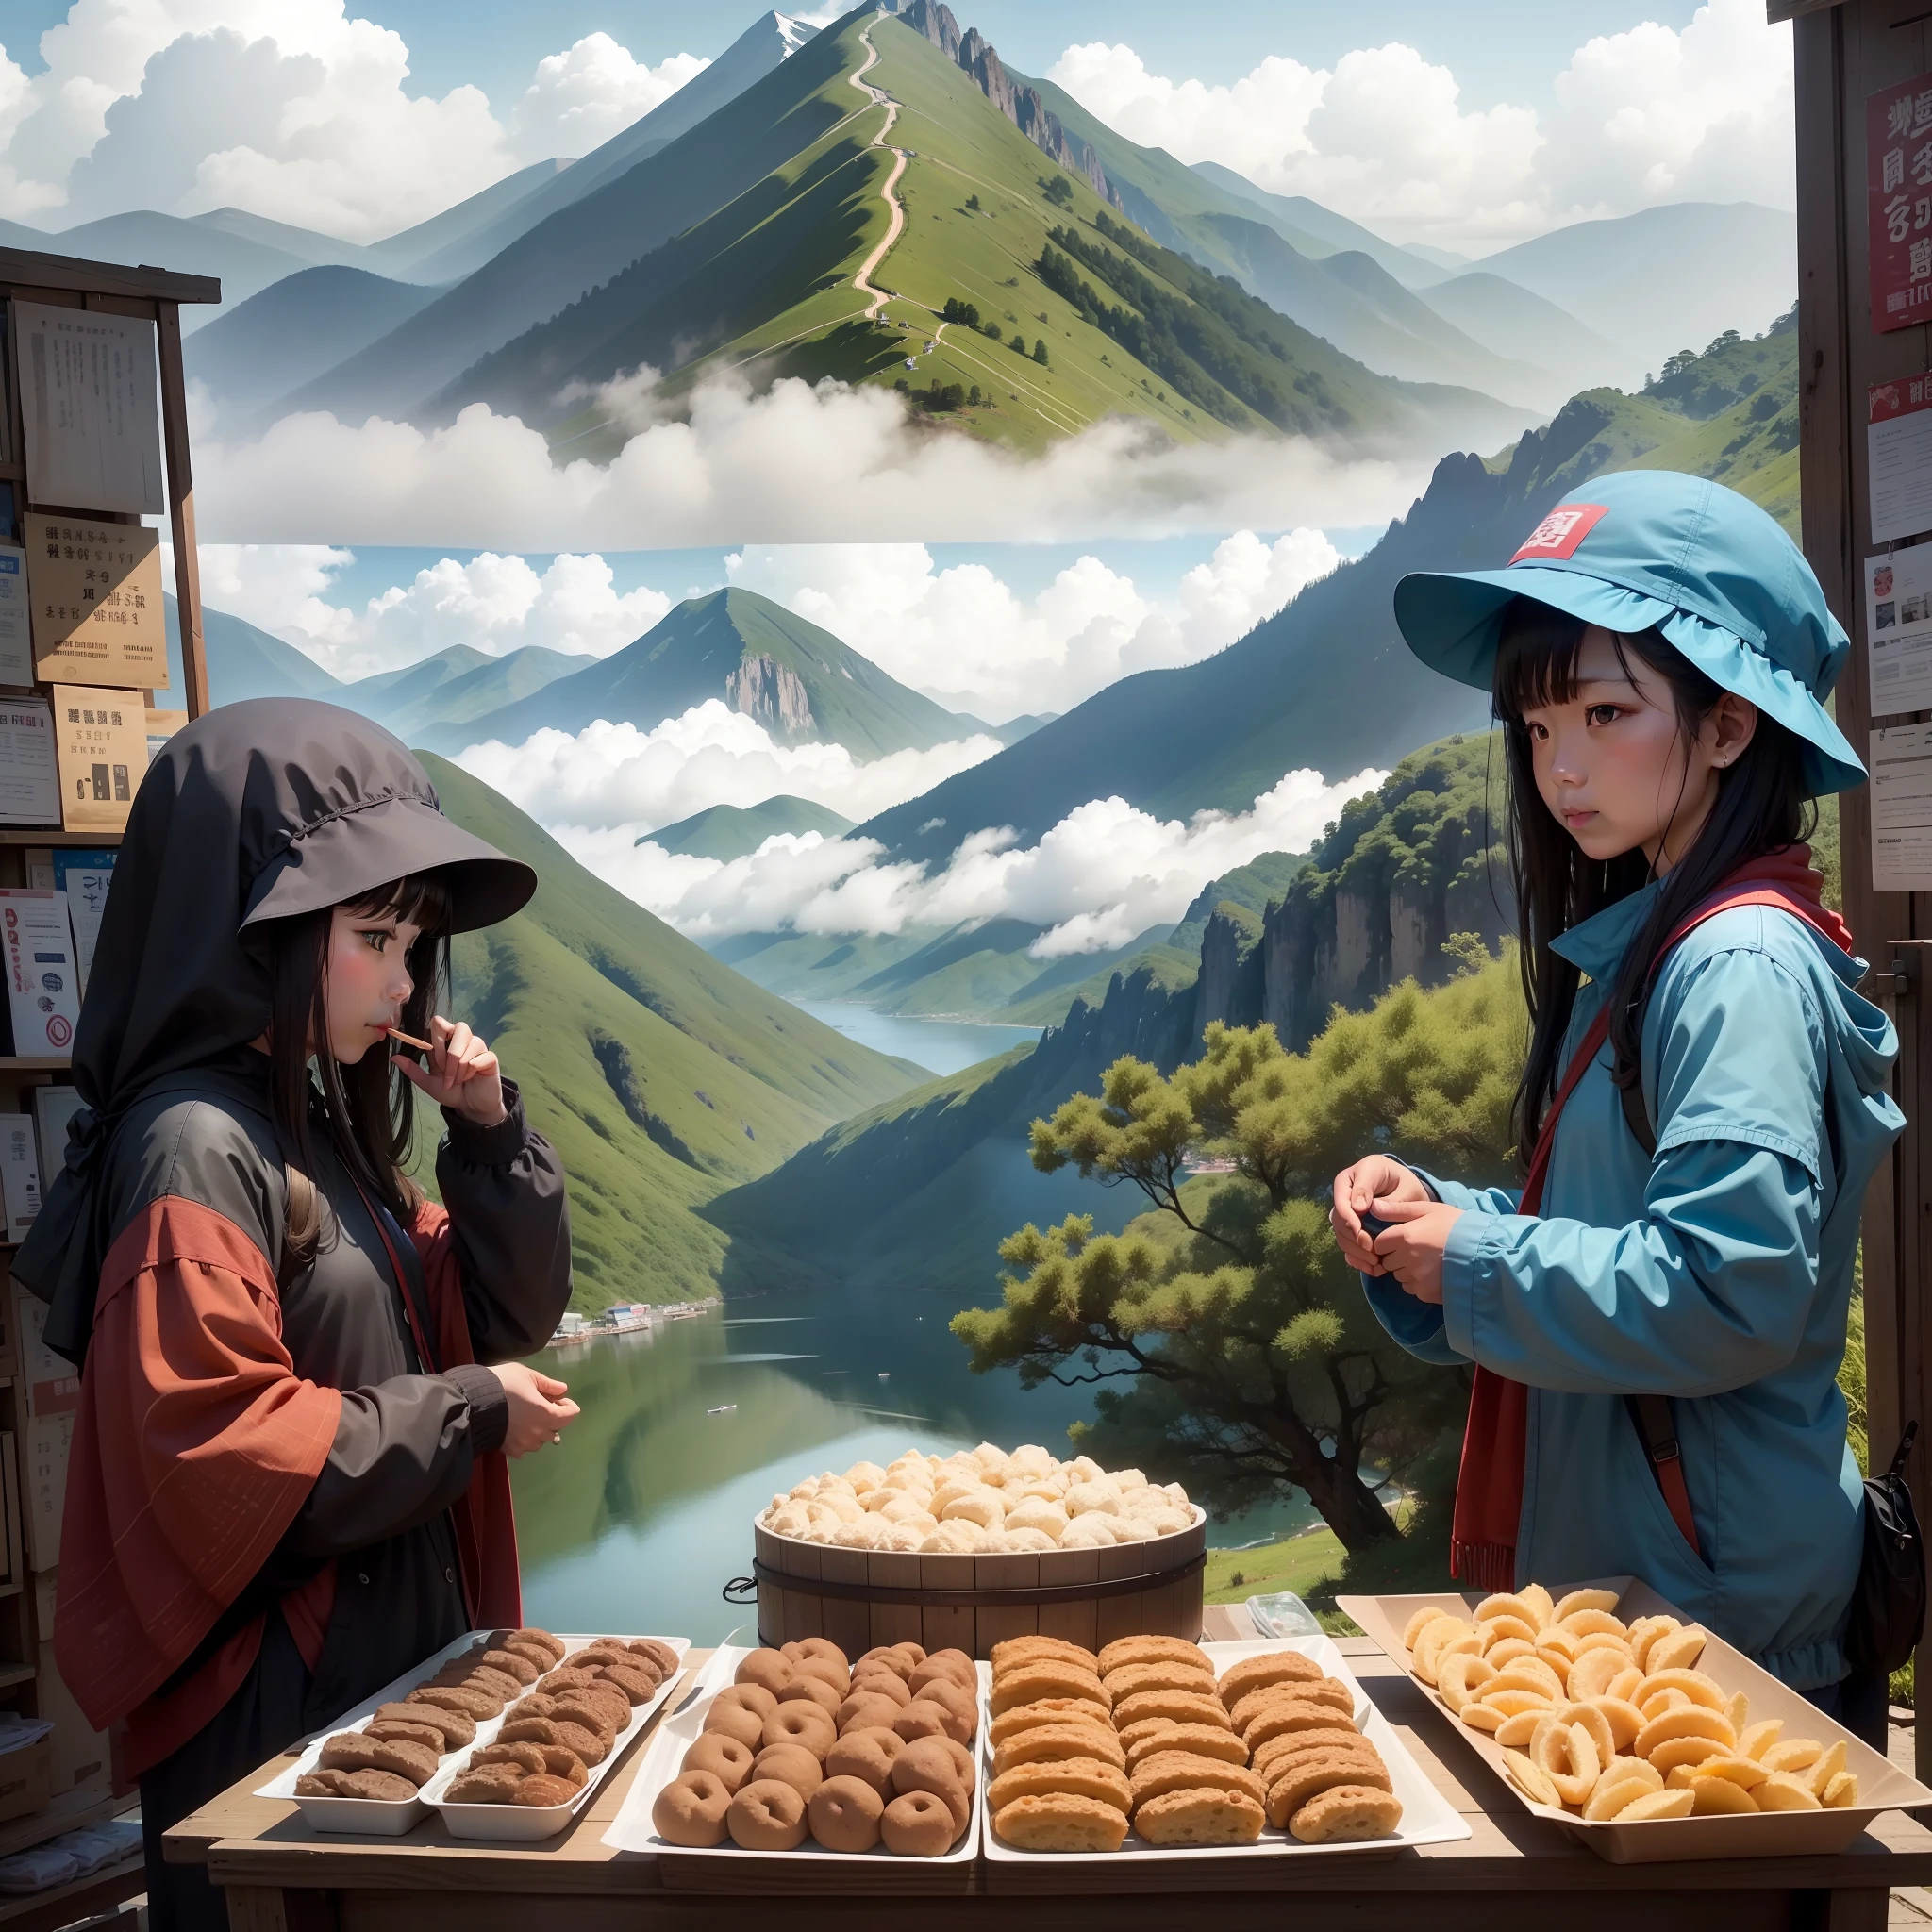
(1018, 102)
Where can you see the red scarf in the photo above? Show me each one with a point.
(1489, 1488)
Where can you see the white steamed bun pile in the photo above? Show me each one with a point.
(980, 1502)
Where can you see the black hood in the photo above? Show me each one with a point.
(256, 811)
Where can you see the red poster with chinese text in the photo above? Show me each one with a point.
(1898, 183)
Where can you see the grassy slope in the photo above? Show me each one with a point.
(709, 1056)
(768, 278)
(1296, 1563)
(732, 831)
(686, 659)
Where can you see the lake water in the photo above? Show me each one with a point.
(644, 1513)
(944, 1046)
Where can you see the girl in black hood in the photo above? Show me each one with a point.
(288, 1482)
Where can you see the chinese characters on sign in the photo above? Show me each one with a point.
(1898, 193)
(98, 609)
(100, 739)
(88, 404)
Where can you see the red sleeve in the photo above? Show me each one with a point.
(194, 1447)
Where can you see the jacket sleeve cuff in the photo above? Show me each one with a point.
(1470, 1260)
(494, 1146)
(483, 1390)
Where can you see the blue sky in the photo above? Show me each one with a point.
(1500, 49)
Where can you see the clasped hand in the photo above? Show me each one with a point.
(539, 1406)
(1411, 1247)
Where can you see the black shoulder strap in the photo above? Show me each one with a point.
(1635, 1117)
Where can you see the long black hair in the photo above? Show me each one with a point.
(1761, 807)
(367, 1109)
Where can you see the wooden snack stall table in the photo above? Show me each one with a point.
(1514, 1872)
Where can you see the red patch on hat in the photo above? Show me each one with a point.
(1562, 530)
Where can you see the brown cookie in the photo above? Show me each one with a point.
(324, 1783)
(1128, 1680)
(488, 1784)
(659, 1652)
(348, 1751)
(1259, 1672)
(877, 1682)
(1147, 1650)
(607, 1716)
(409, 1734)
(588, 1746)
(416, 1762)
(374, 1785)
(952, 1664)
(1086, 1777)
(639, 1687)
(1181, 1771)
(891, 1658)
(1183, 1706)
(1204, 1741)
(477, 1704)
(458, 1728)
(518, 1667)
(1346, 1814)
(766, 1668)
(919, 1768)
(542, 1790)
(1061, 1822)
(1309, 1778)
(497, 1684)
(542, 1640)
(567, 1677)
(532, 1730)
(527, 1757)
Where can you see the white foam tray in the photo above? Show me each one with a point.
(631, 1830)
(387, 1818)
(1427, 1817)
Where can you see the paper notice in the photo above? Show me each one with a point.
(1898, 446)
(43, 989)
(89, 403)
(29, 785)
(16, 631)
(1898, 631)
(1900, 761)
(98, 617)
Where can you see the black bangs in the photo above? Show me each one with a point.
(1536, 659)
(423, 900)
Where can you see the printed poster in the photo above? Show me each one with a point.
(1898, 448)
(1901, 766)
(89, 404)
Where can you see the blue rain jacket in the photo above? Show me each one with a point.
(1719, 1275)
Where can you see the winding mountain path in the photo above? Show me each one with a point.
(862, 280)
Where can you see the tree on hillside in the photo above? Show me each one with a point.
(1233, 1349)
(1059, 190)
(1040, 351)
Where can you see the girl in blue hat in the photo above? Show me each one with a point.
(1658, 1318)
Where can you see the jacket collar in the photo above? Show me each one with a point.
(1596, 944)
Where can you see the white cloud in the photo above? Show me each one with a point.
(290, 109)
(796, 464)
(492, 603)
(966, 637)
(1651, 115)
(581, 98)
(1105, 872)
(618, 776)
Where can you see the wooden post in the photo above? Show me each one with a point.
(182, 508)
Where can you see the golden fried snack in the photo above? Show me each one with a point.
(1164, 1673)
(1327, 1693)
(799, 1722)
(844, 1814)
(1567, 1755)
(1046, 1742)
(1784, 1791)
(918, 1824)
(1686, 1720)
(788, 1764)
(1204, 1741)
(1028, 1682)
(1183, 1706)
(1181, 1771)
(1259, 1672)
(1290, 1745)
(690, 1809)
(1125, 1651)
(766, 1816)
(1060, 1822)
(1346, 1814)
(1047, 1711)
(1015, 1650)
(1207, 1815)
(1086, 1777)
(1419, 1621)
(1289, 1792)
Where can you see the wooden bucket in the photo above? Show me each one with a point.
(861, 1598)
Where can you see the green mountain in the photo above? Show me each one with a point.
(439, 697)
(245, 662)
(1327, 682)
(662, 1077)
(735, 831)
(765, 277)
(1315, 230)
(798, 681)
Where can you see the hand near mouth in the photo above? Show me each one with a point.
(461, 1074)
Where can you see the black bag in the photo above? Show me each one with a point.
(1889, 1602)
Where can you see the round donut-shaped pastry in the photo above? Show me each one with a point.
(799, 1722)
(890, 1657)
(923, 1766)
(844, 1814)
(921, 1719)
(820, 1649)
(868, 1754)
(765, 1816)
(767, 1669)
(824, 1671)
(725, 1758)
(805, 1690)
(962, 1705)
(1028, 1682)
(690, 1809)
(752, 1697)
(955, 1665)
(863, 1711)
(918, 1824)
(879, 1682)
(734, 1721)
(790, 1764)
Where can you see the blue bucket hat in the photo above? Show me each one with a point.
(1646, 548)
